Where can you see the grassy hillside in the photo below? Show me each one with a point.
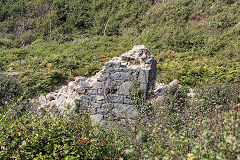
(49, 42)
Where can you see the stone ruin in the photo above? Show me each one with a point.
(106, 95)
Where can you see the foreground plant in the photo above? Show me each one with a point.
(42, 137)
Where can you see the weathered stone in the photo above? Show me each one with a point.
(160, 89)
(82, 87)
(144, 88)
(84, 101)
(97, 85)
(102, 111)
(112, 64)
(173, 83)
(126, 88)
(85, 97)
(107, 105)
(92, 92)
(97, 118)
(100, 98)
(121, 76)
(110, 84)
(127, 100)
(77, 79)
(121, 107)
(143, 76)
(108, 92)
(131, 112)
(100, 91)
(122, 110)
(96, 105)
(115, 98)
(50, 96)
(52, 103)
(191, 93)
(42, 99)
(60, 101)
(80, 90)
(10, 73)
(103, 78)
(192, 96)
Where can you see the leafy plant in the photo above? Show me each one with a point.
(10, 90)
(37, 137)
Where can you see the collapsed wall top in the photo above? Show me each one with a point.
(106, 95)
(138, 57)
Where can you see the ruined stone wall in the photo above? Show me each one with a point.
(107, 94)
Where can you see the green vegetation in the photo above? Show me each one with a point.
(34, 137)
(10, 90)
(43, 66)
(48, 42)
(176, 129)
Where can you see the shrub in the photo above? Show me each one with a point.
(216, 94)
(27, 37)
(188, 131)
(42, 137)
(10, 90)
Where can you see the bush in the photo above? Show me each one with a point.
(216, 94)
(27, 37)
(188, 131)
(38, 137)
(10, 90)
